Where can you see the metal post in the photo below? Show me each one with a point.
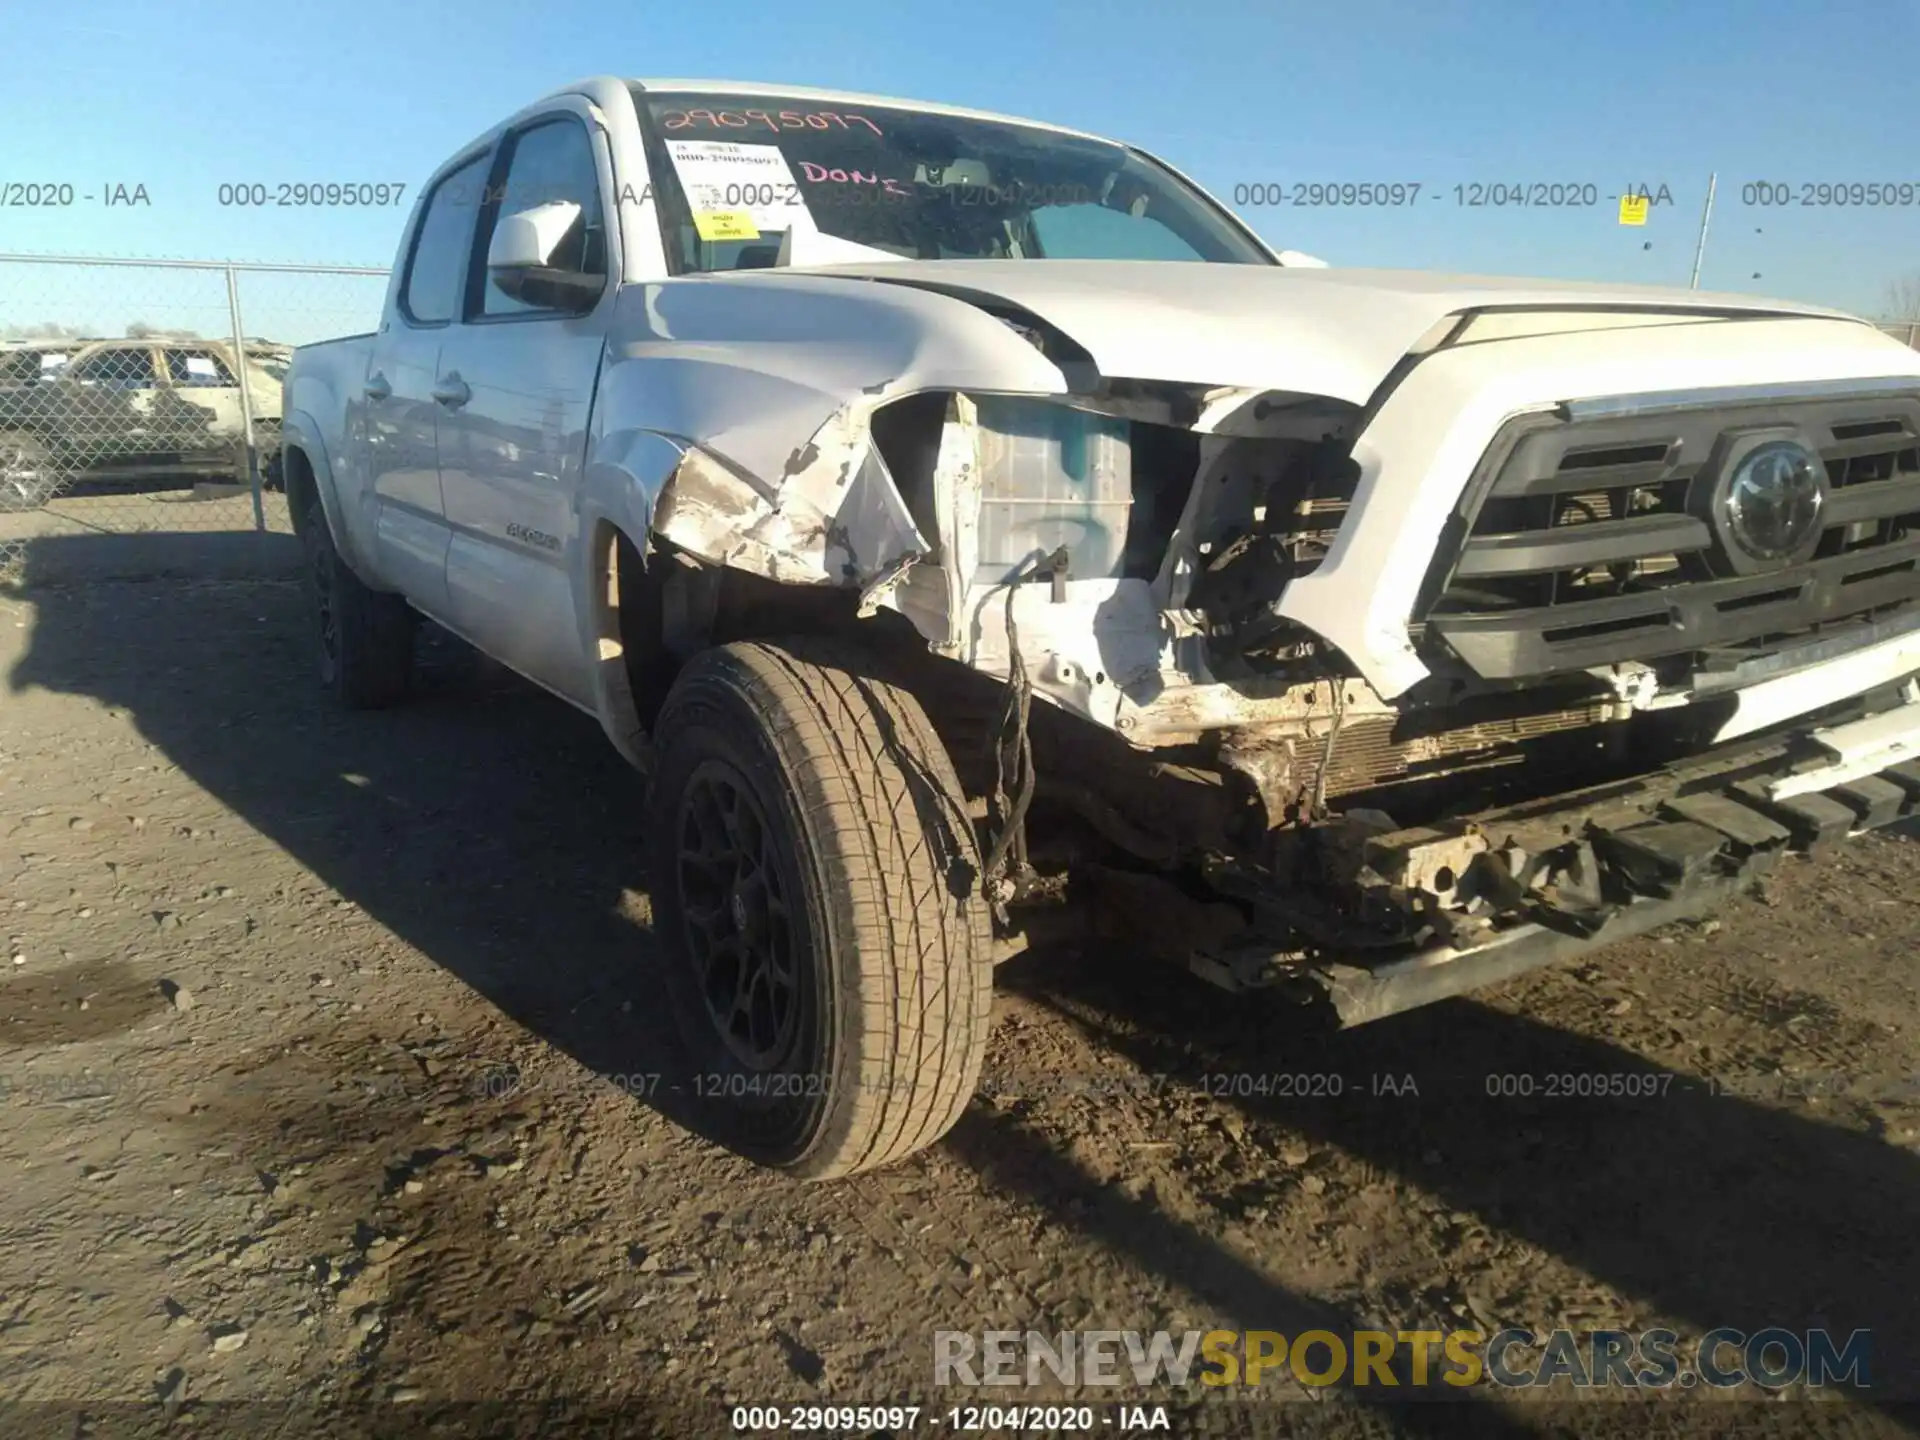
(1700, 250)
(246, 400)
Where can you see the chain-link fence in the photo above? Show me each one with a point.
(143, 396)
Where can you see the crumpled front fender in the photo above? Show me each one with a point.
(763, 387)
(834, 517)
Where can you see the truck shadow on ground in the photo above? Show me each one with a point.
(484, 823)
(496, 831)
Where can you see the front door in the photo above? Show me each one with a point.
(108, 420)
(516, 388)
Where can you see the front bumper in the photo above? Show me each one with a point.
(1549, 879)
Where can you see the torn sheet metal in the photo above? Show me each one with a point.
(956, 509)
(1082, 651)
(1104, 650)
(834, 518)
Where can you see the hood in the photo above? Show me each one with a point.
(1330, 332)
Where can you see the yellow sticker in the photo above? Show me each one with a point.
(1633, 209)
(724, 225)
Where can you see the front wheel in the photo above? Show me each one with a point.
(28, 478)
(817, 887)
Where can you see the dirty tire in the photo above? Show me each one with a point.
(28, 476)
(866, 880)
(365, 637)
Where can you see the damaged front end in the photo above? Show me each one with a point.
(1584, 739)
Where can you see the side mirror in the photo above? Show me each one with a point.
(520, 255)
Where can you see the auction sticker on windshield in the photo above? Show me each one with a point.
(736, 191)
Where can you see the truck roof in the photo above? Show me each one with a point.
(854, 97)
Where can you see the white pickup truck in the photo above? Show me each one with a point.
(976, 532)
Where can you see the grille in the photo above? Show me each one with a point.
(1588, 542)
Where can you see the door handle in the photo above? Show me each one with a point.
(452, 391)
(377, 387)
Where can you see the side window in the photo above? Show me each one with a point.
(437, 268)
(198, 367)
(116, 370)
(551, 161)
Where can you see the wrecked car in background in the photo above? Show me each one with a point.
(131, 411)
(973, 527)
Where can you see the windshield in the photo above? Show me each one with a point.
(735, 173)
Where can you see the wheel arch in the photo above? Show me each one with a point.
(308, 476)
(620, 485)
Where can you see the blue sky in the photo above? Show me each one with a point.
(184, 96)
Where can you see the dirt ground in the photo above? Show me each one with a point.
(336, 1083)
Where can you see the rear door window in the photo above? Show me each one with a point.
(195, 368)
(437, 266)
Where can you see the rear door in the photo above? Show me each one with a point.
(202, 403)
(400, 418)
(515, 388)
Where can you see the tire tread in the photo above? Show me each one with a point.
(897, 859)
(376, 630)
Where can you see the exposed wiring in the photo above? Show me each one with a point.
(1339, 688)
(1013, 773)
